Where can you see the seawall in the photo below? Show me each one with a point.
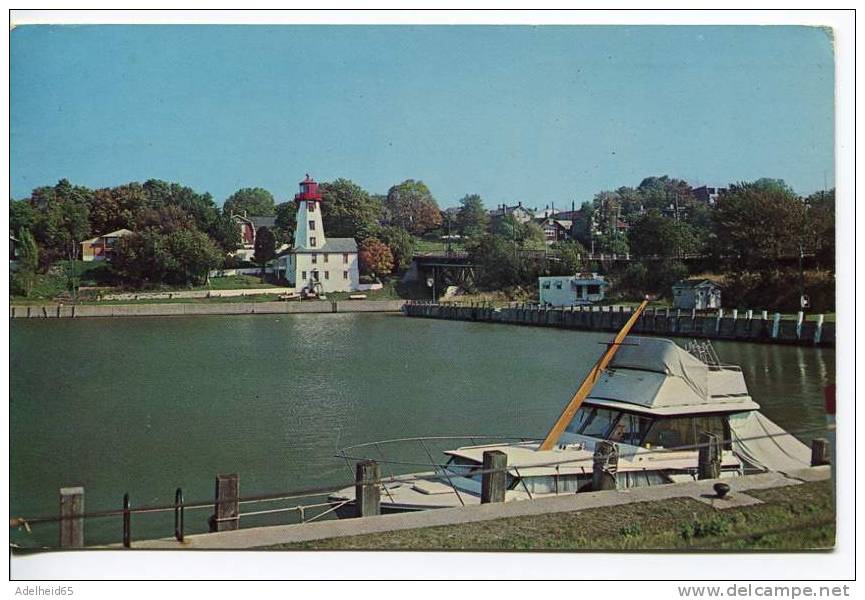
(200, 308)
(752, 326)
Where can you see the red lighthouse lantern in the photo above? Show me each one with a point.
(308, 190)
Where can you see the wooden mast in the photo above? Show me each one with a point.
(589, 382)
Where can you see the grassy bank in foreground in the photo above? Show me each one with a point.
(800, 517)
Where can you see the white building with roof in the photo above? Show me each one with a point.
(571, 290)
(316, 262)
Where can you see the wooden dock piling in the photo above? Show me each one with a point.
(226, 508)
(72, 521)
(494, 477)
(820, 452)
(709, 456)
(367, 493)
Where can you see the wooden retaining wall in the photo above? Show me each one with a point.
(752, 326)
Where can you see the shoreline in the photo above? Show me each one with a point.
(56, 311)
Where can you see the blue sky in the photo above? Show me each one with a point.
(545, 115)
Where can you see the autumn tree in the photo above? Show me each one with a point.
(410, 205)
(375, 257)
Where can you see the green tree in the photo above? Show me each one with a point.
(401, 245)
(348, 210)
(286, 221)
(472, 218)
(375, 257)
(22, 214)
(820, 227)
(265, 247)
(499, 261)
(656, 235)
(24, 277)
(193, 255)
(225, 233)
(410, 205)
(665, 193)
(253, 202)
(583, 224)
(143, 258)
(568, 259)
(756, 224)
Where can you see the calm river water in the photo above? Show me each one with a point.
(146, 405)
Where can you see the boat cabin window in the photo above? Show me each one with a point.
(630, 429)
(599, 422)
(685, 431)
(649, 432)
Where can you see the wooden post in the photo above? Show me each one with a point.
(800, 319)
(226, 508)
(494, 476)
(605, 463)
(820, 452)
(127, 522)
(750, 314)
(72, 523)
(367, 493)
(709, 457)
(776, 325)
(718, 320)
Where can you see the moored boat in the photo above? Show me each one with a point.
(651, 399)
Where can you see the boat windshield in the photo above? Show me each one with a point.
(642, 430)
(464, 467)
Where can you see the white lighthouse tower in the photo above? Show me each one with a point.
(309, 232)
(317, 263)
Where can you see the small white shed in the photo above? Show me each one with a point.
(571, 290)
(696, 293)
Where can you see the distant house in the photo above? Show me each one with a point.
(696, 293)
(521, 214)
(250, 225)
(556, 230)
(708, 194)
(101, 247)
(572, 290)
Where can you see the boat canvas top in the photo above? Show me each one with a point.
(657, 377)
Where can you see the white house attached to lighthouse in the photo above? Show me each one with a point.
(317, 262)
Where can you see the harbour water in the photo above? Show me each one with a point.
(146, 405)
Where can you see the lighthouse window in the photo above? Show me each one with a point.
(345, 274)
(312, 242)
(345, 258)
(314, 258)
(303, 274)
(310, 206)
(327, 274)
(312, 225)
(325, 257)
